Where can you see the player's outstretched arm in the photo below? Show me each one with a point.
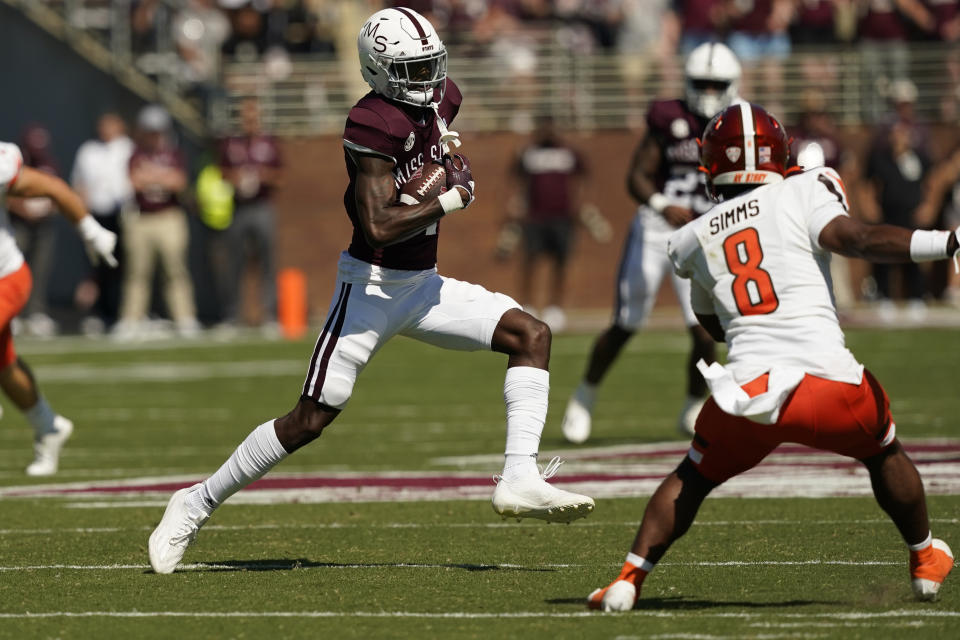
(99, 242)
(886, 243)
(383, 221)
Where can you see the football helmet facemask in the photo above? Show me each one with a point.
(402, 57)
(712, 79)
(743, 146)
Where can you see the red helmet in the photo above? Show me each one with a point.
(743, 145)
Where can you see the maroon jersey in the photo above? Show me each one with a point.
(249, 154)
(380, 127)
(675, 129)
(152, 198)
(549, 171)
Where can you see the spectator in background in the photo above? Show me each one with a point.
(647, 42)
(158, 229)
(896, 167)
(101, 177)
(883, 31)
(199, 30)
(816, 143)
(700, 21)
(941, 209)
(35, 231)
(251, 163)
(758, 36)
(546, 203)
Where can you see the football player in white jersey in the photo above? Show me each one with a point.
(664, 179)
(50, 429)
(759, 268)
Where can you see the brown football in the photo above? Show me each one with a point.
(427, 182)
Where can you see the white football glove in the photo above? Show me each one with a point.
(99, 242)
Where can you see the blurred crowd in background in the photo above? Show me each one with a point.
(141, 185)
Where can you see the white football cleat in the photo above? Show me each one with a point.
(927, 578)
(687, 420)
(578, 417)
(46, 448)
(619, 596)
(534, 497)
(177, 529)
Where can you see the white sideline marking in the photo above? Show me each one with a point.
(850, 615)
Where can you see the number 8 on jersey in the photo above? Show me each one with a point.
(752, 287)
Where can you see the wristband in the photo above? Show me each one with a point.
(450, 200)
(658, 202)
(926, 246)
(88, 227)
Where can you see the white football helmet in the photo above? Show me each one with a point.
(712, 79)
(402, 57)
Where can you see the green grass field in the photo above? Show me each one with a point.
(76, 566)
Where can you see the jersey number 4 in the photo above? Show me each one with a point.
(752, 287)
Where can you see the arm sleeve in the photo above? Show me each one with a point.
(11, 161)
(367, 133)
(828, 200)
(700, 299)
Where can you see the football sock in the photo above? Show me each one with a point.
(41, 416)
(635, 569)
(927, 542)
(525, 392)
(256, 455)
(586, 394)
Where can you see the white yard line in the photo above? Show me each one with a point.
(839, 615)
(438, 525)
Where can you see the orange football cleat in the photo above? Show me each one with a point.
(929, 568)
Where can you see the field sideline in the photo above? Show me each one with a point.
(383, 529)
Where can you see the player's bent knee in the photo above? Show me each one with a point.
(537, 337)
(337, 390)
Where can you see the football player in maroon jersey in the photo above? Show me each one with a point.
(388, 285)
(664, 179)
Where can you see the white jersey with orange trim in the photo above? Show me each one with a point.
(11, 162)
(756, 262)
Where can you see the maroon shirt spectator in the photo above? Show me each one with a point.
(755, 19)
(893, 19)
(250, 156)
(814, 22)
(154, 196)
(549, 168)
(389, 130)
(946, 17)
(698, 16)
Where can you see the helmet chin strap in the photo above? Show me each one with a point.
(447, 138)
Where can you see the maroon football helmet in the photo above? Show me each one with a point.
(743, 146)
